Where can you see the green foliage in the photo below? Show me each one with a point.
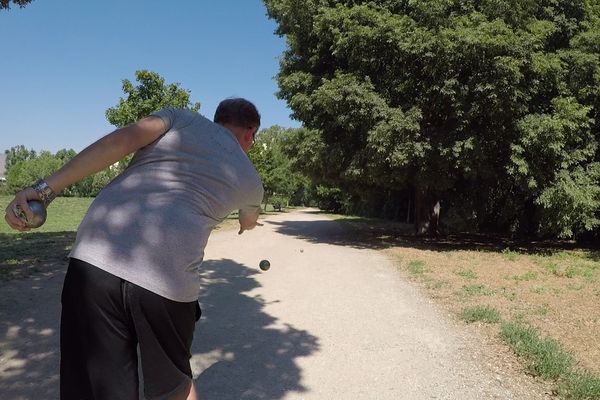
(488, 108)
(17, 154)
(32, 167)
(280, 180)
(150, 95)
(24, 173)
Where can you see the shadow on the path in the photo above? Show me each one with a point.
(23, 255)
(365, 233)
(239, 351)
(29, 335)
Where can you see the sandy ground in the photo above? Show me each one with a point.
(329, 320)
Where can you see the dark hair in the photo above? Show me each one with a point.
(238, 112)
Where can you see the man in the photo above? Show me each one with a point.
(132, 278)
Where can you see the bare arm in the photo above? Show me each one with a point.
(99, 155)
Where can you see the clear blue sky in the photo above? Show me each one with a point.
(63, 62)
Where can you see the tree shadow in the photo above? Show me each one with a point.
(377, 235)
(25, 254)
(239, 350)
(29, 335)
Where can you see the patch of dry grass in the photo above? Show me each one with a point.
(557, 293)
(553, 287)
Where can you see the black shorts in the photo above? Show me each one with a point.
(104, 320)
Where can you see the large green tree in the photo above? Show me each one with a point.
(487, 111)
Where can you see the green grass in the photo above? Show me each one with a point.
(546, 358)
(480, 313)
(584, 269)
(538, 290)
(510, 255)
(476, 290)
(25, 253)
(64, 215)
(529, 276)
(552, 268)
(416, 267)
(580, 386)
(571, 264)
(467, 274)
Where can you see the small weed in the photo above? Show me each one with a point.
(510, 255)
(484, 314)
(572, 286)
(416, 267)
(467, 274)
(529, 276)
(581, 269)
(552, 268)
(476, 290)
(437, 284)
(519, 317)
(544, 309)
(545, 357)
(508, 294)
(538, 290)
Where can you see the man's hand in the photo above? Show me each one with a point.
(248, 228)
(20, 201)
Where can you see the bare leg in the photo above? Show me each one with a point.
(192, 394)
(187, 394)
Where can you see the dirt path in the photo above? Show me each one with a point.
(327, 321)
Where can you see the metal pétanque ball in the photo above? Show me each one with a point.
(264, 265)
(39, 214)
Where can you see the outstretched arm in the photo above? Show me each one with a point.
(94, 158)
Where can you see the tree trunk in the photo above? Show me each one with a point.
(427, 213)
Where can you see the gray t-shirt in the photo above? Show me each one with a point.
(150, 225)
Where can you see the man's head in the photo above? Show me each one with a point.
(241, 117)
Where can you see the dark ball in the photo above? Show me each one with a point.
(264, 265)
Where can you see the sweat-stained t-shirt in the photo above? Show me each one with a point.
(150, 225)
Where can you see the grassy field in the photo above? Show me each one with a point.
(24, 254)
(539, 299)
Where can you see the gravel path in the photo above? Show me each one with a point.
(329, 320)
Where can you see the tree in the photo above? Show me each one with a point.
(447, 105)
(17, 154)
(279, 179)
(150, 95)
(5, 4)
(25, 172)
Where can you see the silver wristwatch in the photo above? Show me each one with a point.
(44, 191)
